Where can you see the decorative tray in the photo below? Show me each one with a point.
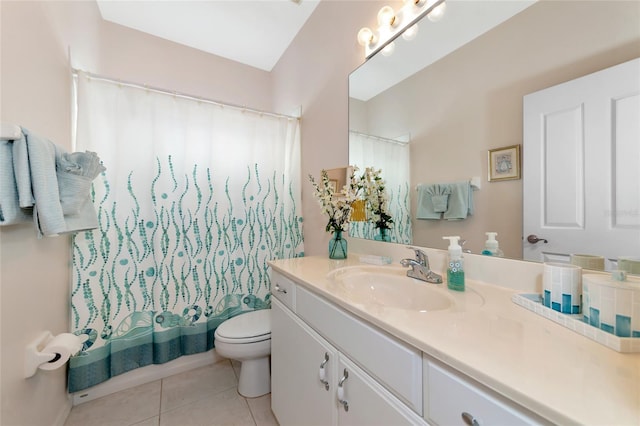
(533, 302)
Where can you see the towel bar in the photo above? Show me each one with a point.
(9, 132)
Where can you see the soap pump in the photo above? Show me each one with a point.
(491, 246)
(455, 265)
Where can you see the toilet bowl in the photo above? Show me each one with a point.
(247, 338)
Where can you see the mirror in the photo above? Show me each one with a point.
(461, 94)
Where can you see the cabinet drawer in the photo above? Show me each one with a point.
(395, 364)
(283, 289)
(448, 395)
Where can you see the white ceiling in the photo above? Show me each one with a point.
(252, 32)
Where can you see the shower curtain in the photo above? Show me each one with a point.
(195, 199)
(392, 157)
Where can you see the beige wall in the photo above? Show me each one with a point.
(471, 101)
(35, 79)
(314, 73)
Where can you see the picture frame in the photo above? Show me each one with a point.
(504, 163)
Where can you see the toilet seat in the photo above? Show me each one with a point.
(250, 327)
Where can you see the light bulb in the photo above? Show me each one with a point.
(436, 14)
(388, 49)
(386, 16)
(411, 32)
(365, 36)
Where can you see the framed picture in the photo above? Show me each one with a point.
(504, 163)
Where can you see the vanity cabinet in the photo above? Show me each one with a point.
(329, 367)
(316, 383)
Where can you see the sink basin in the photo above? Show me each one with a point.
(389, 287)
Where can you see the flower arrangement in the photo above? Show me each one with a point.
(336, 205)
(376, 198)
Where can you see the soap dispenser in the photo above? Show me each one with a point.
(491, 246)
(455, 265)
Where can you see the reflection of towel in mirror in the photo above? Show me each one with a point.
(439, 196)
(460, 201)
(425, 208)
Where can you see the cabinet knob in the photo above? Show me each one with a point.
(469, 420)
(280, 290)
(341, 399)
(322, 373)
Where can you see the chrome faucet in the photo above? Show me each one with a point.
(420, 267)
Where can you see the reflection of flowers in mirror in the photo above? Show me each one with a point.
(335, 204)
(373, 189)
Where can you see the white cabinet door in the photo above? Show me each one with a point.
(366, 402)
(581, 156)
(297, 353)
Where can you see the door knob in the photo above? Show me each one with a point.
(534, 239)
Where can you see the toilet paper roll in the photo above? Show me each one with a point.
(64, 346)
(588, 261)
(562, 287)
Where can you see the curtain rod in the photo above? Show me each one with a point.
(380, 138)
(182, 95)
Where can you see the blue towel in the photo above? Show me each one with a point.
(425, 208)
(460, 201)
(10, 211)
(54, 184)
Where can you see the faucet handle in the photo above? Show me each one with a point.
(421, 256)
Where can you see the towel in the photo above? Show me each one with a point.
(439, 196)
(75, 172)
(39, 174)
(54, 184)
(460, 201)
(10, 211)
(425, 208)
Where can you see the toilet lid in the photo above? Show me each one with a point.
(246, 327)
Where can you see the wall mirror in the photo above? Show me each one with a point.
(455, 92)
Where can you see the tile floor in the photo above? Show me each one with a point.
(205, 396)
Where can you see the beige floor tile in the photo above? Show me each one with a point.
(261, 410)
(123, 408)
(226, 408)
(197, 384)
(153, 421)
(236, 367)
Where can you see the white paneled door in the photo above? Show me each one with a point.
(581, 167)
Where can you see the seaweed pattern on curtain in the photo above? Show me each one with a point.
(401, 231)
(150, 288)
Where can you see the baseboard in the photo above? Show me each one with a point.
(144, 375)
(61, 418)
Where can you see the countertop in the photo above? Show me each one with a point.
(550, 370)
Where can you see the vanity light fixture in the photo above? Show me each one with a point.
(391, 24)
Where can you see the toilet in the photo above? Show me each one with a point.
(247, 338)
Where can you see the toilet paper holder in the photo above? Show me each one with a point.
(37, 355)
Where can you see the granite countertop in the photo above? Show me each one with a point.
(540, 365)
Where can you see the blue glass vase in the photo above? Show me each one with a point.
(337, 246)
(383, 235)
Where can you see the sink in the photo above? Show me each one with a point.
(389, 287)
